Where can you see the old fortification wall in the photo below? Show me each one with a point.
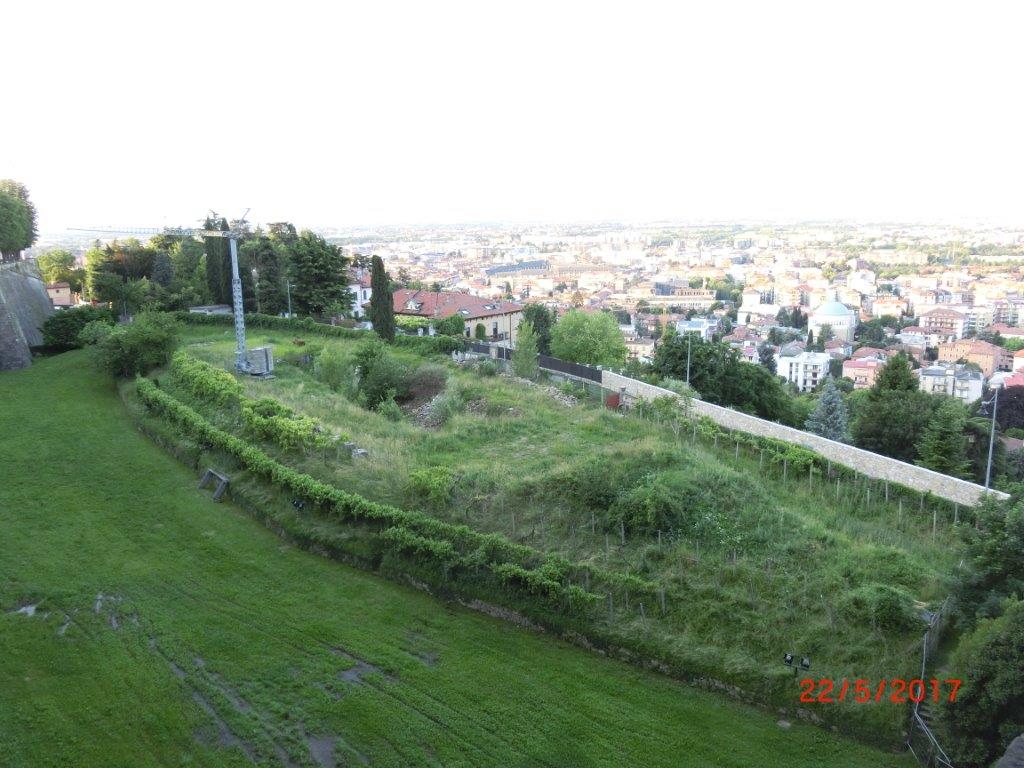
(24, 307)
(865, 462)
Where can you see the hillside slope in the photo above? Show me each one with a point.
(145, 625)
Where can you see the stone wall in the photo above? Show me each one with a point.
(865, 462)
(24, 307)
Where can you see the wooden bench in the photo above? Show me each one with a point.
(222, 483)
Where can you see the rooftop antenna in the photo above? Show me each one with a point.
(242, 363)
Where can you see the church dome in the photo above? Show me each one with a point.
(833, 308)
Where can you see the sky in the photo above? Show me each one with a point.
(355, 114)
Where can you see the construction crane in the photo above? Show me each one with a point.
(242, 363)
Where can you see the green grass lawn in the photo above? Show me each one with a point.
(796, 579)
(169, 630)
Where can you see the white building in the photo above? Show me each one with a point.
(953, 380)
(706, 327)
(806, 370)
(838, 316)
(359, 287)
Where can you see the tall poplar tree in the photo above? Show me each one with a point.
(829, 418)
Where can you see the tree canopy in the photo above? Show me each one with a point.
(17, 219)
(829, 418)
(319, 276)
(591, 338)
(382, 302)
(541, 319)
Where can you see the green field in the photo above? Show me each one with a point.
(169, 630)
(785, 566)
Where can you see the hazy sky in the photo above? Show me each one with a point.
(361, 113)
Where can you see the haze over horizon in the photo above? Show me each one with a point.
(136, 116)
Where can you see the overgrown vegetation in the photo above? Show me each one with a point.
(747, 547)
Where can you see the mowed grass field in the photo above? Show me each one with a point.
(141, 624)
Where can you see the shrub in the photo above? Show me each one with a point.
(480, 332)
(380, 375)
(267, 419)
(94, 332)
(881, 605)
(138, 347)
(445, 406)
(430, 377)
(487, 368)
(335, 369)
(453, 325)
(988, 712)
(204, 381)
(388, 408)
(62, 329)
(433, 485)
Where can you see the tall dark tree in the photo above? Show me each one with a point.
(542, 319)
(943, 445)
(766, 357)
(319, 276)
(217, 252)
(829, 418)
(268, 258)
(17, 219)
(896, 376)
(382, 303)
(895, 414)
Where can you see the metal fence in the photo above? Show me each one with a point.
(570, 369)
(921, 740)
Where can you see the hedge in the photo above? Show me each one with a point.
(426, 345)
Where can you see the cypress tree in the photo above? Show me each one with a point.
(829, 418)
(382, 303)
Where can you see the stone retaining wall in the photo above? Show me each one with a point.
(865, 462)
(24, 307)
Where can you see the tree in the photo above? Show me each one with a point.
(591, 338)
(218, 254)
(541, 319)
(995, 569)
(453, 325)
(319, 275)
(766, 357)
(480, 332)
(988, 712)
(896, 376)
(829, 418)
(825, 335)
(58, 266)
(719, 376)
(943, 446)
(17, 220)
(1011, 408)
(524, 357)
(382, 301)
(891, 422)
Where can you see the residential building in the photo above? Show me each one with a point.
(1018, 360)
(965, 384)
(945, 319)
(359, 287)
(499, 319)
(705, 327)
(862, 372)
(60, 295)
(806, 370)
(986, 356)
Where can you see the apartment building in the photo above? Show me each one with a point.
(806, 370)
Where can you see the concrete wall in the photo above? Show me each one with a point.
(24, 307)
(865, 462)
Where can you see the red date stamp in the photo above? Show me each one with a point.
(895, 690)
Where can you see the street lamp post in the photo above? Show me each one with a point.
(688, 339)
(992, 438)
(288, 290)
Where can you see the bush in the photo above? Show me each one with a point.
(388, 408)
(447, 405)
(453, 325)
(480, 332)
(94, 332)
(487, 368)
(335, 370)
(267, 419)
(988, 712)
(62, 329)
(204, 381)
(432, 485)
(386, 379)
(138, 347)
(881, 605)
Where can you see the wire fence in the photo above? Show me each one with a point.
(921, 740)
